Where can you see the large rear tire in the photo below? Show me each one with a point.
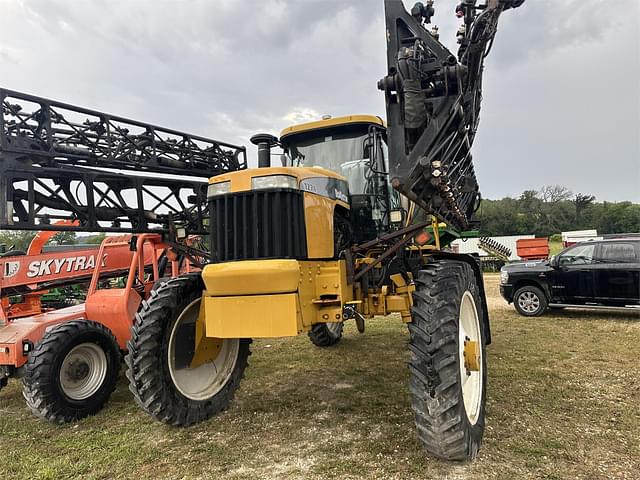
(71, 372)
(448, 396)
(161, 351)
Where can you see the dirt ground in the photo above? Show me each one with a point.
(563, 403)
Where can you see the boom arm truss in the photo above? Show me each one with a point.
(433, 105)
(111, 174)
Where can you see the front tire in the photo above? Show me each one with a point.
(161, 353)
(71, 372)
(530, 301)
(448, 395)
(326, 334)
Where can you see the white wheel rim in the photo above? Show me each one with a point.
(471, 382)
(529, 302)
(334, 327)
(83, 371)
(206, 380)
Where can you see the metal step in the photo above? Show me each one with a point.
(597, 307)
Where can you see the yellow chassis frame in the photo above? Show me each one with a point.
(284, 298)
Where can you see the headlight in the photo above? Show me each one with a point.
(274, 181)
(217, 189)
(504, 277)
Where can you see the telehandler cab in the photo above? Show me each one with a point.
(336, 233)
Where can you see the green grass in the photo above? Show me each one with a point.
(555, 247)
(563, 403)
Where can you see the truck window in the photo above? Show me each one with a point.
(617, 253)
(578, 255)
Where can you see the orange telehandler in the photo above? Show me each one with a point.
(25, 277)
(101, 174)
(69, 358)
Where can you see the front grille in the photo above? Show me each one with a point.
(258, 224)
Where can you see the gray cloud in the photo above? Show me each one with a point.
(562, 92)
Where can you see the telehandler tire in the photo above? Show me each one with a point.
(448, 398)
(161, 350)
(71, 372)
(326, 334)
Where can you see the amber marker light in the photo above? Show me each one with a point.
(422, 238)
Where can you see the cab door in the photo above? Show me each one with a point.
(572, 280)
(617, 272)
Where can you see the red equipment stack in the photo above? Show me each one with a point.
(533, 248)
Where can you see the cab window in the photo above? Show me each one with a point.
(578, 255)
(617, 253)
(345, 150)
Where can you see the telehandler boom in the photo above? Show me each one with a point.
(337, 233)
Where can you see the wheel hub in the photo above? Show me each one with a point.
(78, 370)
(471, 356)
(529, 302)
(83, 371)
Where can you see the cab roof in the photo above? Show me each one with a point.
(333, 122)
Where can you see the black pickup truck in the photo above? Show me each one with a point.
(601, 273)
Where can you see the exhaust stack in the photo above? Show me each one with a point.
(265, 142)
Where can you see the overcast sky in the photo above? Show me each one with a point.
(562, 85)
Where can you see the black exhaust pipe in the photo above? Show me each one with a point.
(265, 142)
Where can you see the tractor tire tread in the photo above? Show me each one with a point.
(437, 401)
(148, 383)
(40, 385)
(321, 336)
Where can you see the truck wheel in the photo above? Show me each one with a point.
(448, 369)
(72, 371)
(530, 301)
(326, 334)
(161, 352)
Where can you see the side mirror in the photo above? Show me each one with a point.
(554, 261)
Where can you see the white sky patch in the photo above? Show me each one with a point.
(562, 99)
(301, 115)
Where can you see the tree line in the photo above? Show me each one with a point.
(20, 239)
(554, 209)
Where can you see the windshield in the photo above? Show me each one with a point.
(578, 255)
(346, 152)
(329, 151)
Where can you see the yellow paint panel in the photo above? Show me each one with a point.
(251, 277)
(318, 213)
(472, 355)
(332, 122)
(323, 291)
(397, 303)
(241, 180)
(255, 316)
